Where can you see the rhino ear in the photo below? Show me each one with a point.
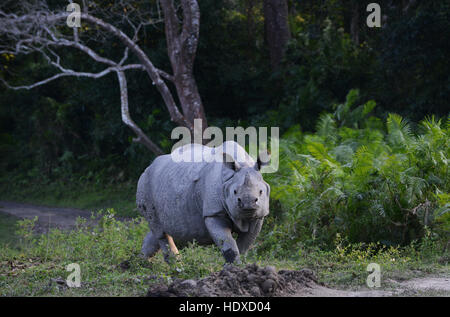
(263, 160)
(229, 162)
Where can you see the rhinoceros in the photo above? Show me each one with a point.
(204, 198)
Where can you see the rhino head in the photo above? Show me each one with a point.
(246, 193)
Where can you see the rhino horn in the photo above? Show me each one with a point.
(247, 181)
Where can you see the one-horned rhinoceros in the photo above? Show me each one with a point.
(206, 199)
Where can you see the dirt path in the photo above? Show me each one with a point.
(65, 218)
(426, 286)
(48, 217)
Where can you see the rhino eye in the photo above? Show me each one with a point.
(235, 192)
(260, 192)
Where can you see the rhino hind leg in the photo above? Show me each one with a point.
(150, 246)
(172, 245)
(167, 249)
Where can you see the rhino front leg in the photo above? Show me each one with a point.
(246, 239)
(220, 231)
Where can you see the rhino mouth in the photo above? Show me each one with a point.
(248, 213)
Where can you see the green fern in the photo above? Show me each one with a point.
(399, 131)
(359, 179)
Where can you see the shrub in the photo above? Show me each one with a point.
(367, 180)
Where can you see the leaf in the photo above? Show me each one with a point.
(368, 107)
(326, 127)
(399, 131)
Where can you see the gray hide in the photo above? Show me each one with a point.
(205, 200)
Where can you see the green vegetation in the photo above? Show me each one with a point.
(110, 265)
(7, 229)
(361, 178)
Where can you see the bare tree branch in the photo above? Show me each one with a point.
(152, 71)
(36, 28)
(59, 75)
(69, 72)
(126, 118)
(165, 75)
(46, 18)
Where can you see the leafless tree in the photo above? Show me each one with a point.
(34, 27)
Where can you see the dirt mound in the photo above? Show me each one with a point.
(237, 281)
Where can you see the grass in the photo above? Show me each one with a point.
(7, 230)
(108, 255)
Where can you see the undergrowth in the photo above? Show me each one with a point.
(364, 178)
(110, 265)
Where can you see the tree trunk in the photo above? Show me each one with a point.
(182, 39)
(354, 24)
(250, 23)
(276, 29)
(189, 97)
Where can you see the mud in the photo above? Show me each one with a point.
(233, 281)
(254, 281)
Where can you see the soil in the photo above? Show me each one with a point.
(233, 280)
(254, 281)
